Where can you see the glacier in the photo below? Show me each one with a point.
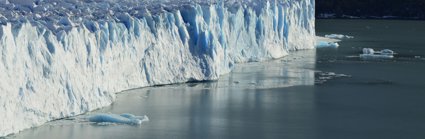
(62, 58)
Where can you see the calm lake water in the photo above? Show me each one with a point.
(315, 94)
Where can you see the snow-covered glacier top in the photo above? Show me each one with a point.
(60, 15)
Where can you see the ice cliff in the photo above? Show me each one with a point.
(62, 58)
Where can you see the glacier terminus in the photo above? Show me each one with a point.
(62, 58)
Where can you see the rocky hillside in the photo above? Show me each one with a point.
(396, 9)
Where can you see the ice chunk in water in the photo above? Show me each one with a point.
(369, 53)
(338, 36)
(326, 42)
(120, 119)
(322, 44)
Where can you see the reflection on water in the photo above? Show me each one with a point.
(293, 70)
(247, 103)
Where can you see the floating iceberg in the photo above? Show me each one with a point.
(338, 36)
(369, 53)
(61, 58)
(119, 119)
(322, 42)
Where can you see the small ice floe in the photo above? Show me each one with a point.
(327, 15)
(322, 77)
(350, 16)
(323, 42)
(125, 118)
(369, 53)
(338, 36)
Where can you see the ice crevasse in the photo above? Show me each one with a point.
(51, 69)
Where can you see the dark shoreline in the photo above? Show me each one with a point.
(373, 18)
(371, 9)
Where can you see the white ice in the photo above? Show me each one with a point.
(322, 77)
(119, 119)
(322, 42)
(57, 60)
(369, 53)
(338, 36)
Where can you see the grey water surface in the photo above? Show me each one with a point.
(313, 94)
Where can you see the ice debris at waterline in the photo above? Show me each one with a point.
(322, 77)
(369, 53)
(129, 119)
(338, 36)
(322, 42)
(64, 58)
